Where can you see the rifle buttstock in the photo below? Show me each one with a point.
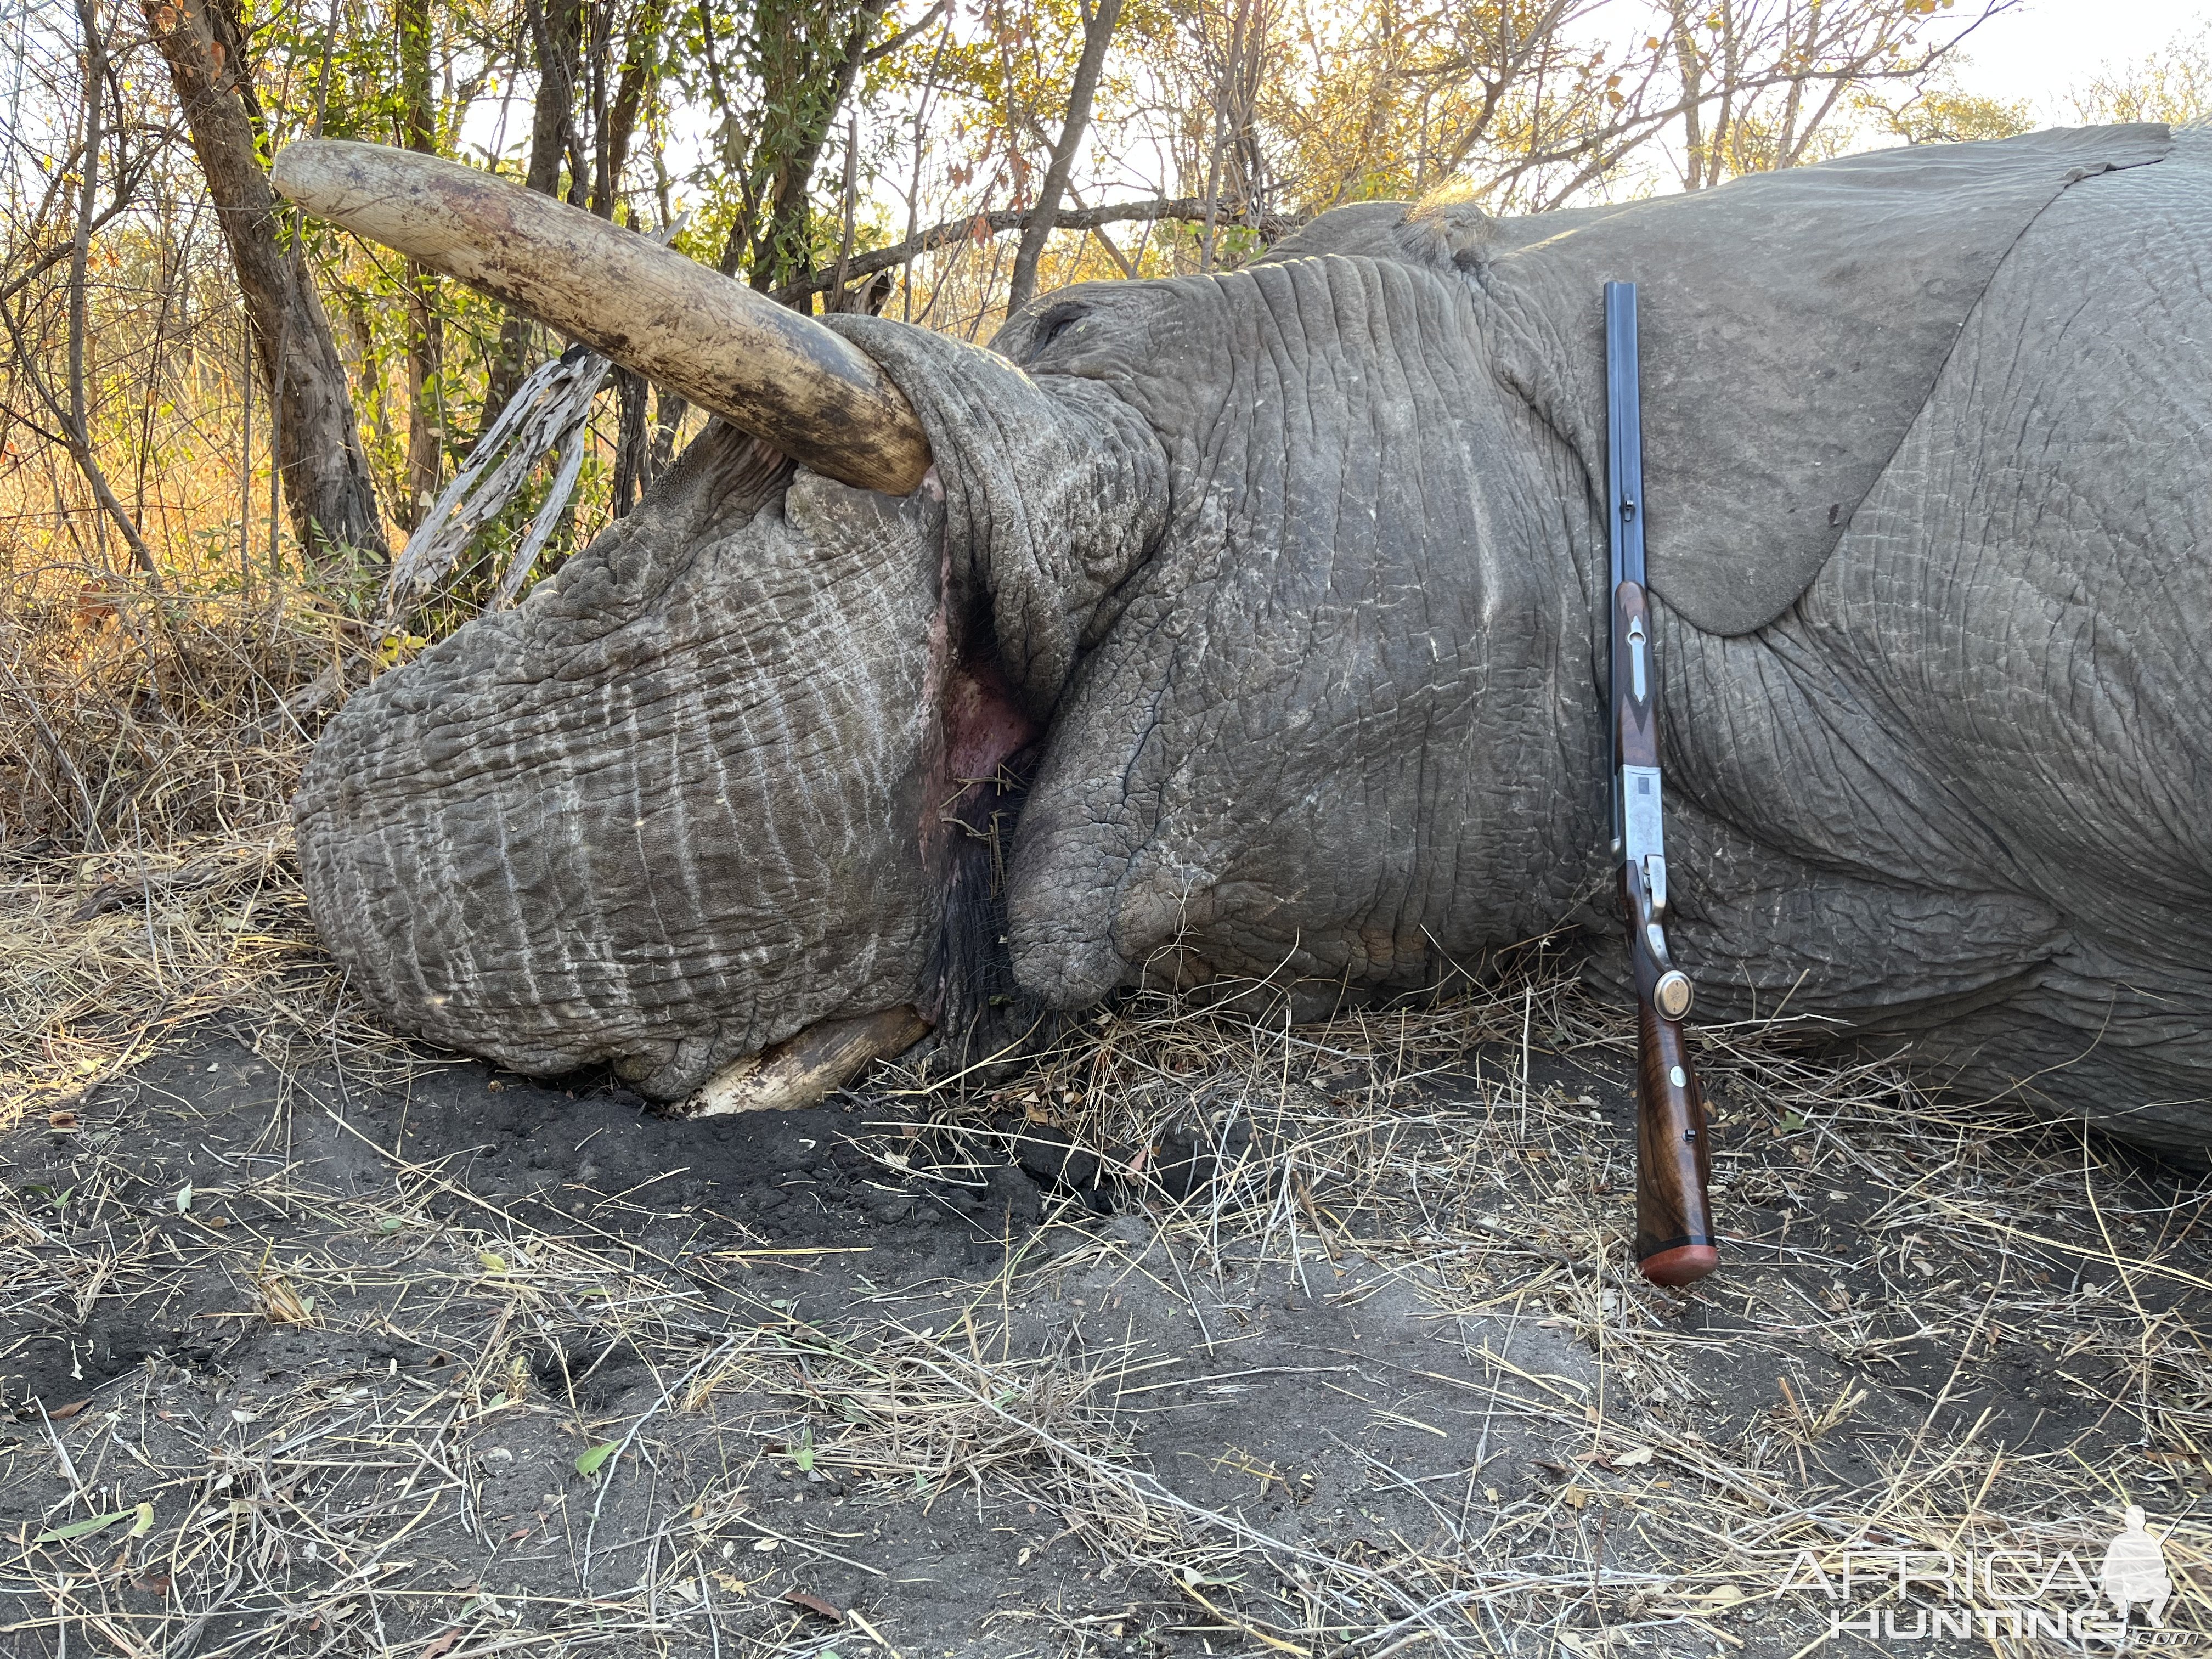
(1674, 1240)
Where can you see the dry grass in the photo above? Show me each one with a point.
(1971, 1237)
(1370, 1161)
(148, 746)
(1892, 1258)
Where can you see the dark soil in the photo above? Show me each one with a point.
(507, 1275)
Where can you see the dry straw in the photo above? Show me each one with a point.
(149, 746)
(1459, 1148)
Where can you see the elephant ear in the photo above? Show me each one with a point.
(1792, 324)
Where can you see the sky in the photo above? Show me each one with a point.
(2044, 48)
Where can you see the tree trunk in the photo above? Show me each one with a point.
(809, 92)
(639, 80)
(553, 31)
(632, 453)
(1224, 107)
(327, 488)
(426, 423)
(1689, 64)
(1097, 32)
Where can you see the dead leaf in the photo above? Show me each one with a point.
(1630, 1458)
(70, 1410)
(1573, 1496)
(62, 1123)
(283, 1305)
(799, 1598)
(445, 1643)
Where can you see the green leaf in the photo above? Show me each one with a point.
(587, 1465)
(390, 1224)
(806, 1451)
(184, 1198)
(85, 1528)
(494, 1262)
(144, 1523)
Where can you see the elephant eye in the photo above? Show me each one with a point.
(1053, 324)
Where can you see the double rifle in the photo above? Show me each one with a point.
(1674, 1239)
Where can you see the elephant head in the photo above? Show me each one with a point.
(1198, 582)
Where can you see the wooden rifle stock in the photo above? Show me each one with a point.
(1674, 1239)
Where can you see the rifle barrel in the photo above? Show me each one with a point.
(1624, 419)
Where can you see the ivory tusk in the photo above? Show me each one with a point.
(768, 370)
(800, 1070)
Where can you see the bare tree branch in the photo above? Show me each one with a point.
(1097, 32)
(95, 90)
(1191, 209)
(906, 36)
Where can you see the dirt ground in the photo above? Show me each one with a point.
(1203, 1339)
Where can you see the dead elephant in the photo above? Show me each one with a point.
(1272, 600)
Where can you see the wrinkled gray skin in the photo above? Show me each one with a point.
(1289, 584)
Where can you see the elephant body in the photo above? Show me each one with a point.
(1966, 783)
(1273, 603)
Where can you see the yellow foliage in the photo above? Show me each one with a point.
(2173, 84)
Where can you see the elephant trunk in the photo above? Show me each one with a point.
(768, 371)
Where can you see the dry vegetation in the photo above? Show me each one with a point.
(148, 745)
(1942, 1328)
